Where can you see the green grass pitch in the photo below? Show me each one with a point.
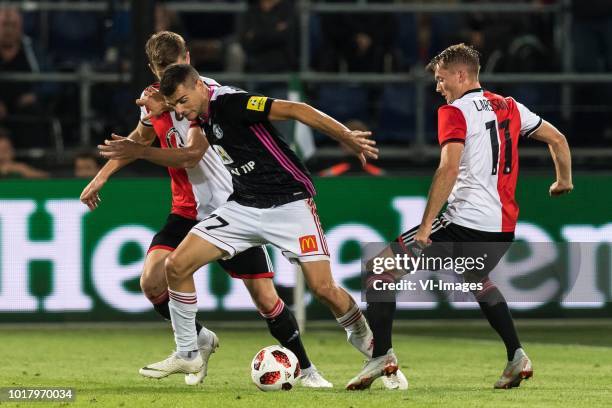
(449, 364)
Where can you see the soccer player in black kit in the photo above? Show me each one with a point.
(272, 202)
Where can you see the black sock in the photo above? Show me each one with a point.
(284, 328)
(380, 318)
(499, 317)
(164, 311)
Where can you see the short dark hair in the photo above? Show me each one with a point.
(165, 48)
(457, 54)
(175, 75)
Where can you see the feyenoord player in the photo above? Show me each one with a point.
(479, 133)
(196, 192)
(271, 203)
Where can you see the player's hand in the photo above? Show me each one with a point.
(559, 188)
(121, 148)
(361, 145)
(154, 102)
(422, 236)
(91, 193)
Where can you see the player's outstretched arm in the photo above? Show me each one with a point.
(90, 196)
(154, 102)
(183, 157)
(441, 186)
(357, 141)
(561, 155)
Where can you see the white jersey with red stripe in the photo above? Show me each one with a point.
(197, 191)
(490, 126)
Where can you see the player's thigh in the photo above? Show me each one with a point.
(441, 246)
(438, 233)
(318, 277)
(192, 253)
(483, 248)
(262, 292)
(378, 263)
(163, 243)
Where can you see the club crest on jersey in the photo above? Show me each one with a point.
(308, 243)
(225, 158)
(257, 103)
(217, 131)
(173, 138)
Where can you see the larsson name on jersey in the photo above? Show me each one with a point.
(490, 105)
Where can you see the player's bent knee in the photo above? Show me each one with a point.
(146, 286)
(151, 288)
(263, 293)
(326, 292)
(175, 269)
(265, 302)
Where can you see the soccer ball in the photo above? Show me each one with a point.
(275, 368)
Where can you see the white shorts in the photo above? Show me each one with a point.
(293, 227)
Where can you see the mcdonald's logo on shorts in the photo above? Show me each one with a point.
(308, 243)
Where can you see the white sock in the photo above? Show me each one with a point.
(354, 322)
(183, 307)
(205, 337)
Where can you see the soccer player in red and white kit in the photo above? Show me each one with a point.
(200, 183)
(478, 132)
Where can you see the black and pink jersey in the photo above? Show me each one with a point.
(265, 171)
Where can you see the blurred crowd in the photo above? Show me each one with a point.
(266, 39)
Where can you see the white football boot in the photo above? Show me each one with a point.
(397, 381)
(517, 370)
(312, 378)
(374, 368)
(172, 365)
(364, 342)
(208, 342)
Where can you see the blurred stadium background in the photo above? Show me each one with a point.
(71, 70)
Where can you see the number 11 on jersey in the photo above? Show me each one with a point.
(504, 126)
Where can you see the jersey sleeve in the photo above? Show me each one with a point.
(451, 125)
(144, 112)
(530, 122)
(245, 107)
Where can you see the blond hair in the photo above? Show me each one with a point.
(165, 48)
(457, 54)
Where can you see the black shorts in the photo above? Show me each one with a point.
(254, 263)
(461, 241)
(172, 233)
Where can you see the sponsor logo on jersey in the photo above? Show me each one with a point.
(225, 158)
(308, 243)
(217, 131)
(257, 103)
